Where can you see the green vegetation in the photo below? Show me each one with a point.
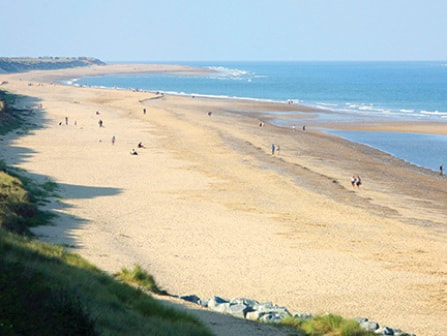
(141, 278)
(326, 325)
(45, 290)
(9, 120)
(18, 199)
(19, 64)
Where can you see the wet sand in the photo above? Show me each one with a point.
(208, 210)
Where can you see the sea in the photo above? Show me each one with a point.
(352, 91)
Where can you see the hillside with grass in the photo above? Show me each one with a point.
(22, 64)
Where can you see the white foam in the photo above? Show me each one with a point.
(222, 72)
(433, 113)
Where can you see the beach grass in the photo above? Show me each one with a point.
(138, 276)
(19, 197)
(326, 325)
(9, 121)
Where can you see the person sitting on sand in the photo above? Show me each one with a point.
(359, 182)
(140, 145)
(133, 152)
(353, 181)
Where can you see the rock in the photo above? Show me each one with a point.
(203, 303)
(360, 320)
(221, 308)
(239, 310)
(254, 315)
(216, 300)
(270, 308)
(369, 325)
(384, 331)
(270, 318)
(303, 316)
(191, 298)
(245, 301)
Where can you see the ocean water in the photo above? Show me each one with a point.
(424, 150)
(355, 91)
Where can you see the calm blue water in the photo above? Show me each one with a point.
(355, 90)
(425, 150)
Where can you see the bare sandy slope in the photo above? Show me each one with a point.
(208, 210)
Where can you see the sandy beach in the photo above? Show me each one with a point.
(209, 211)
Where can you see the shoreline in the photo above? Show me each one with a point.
(207, 209)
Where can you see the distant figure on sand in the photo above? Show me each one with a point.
(140, 145)
(144, 111)
(353, 181)
(66, 120)
(210, 113)
(441, 170)
(278, 149)
(359, 182)
(100, 123)
(294, 127)
(304, 127)
(97, 112)
(113, 140)
(133, 152)
(273, 149)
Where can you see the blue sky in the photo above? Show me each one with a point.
(168, 30)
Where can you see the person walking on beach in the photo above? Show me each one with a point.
(144, 111)
(353, 181)
(294, 127)
(278, 149)
(66, 120)
(304, 128)
(441, 170)
(273, 149)
(113, 140)
(100, 123)
(359, 182)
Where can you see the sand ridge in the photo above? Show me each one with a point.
(208, 210)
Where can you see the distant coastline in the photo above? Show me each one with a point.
(23, 64)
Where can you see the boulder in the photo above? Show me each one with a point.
(271, 318)
(360, 320)
(270, 308)
(216, 300)
(369, 325)
(221, 308)
(303, 316)
(384, 331)
(203, 303)
(245, 301)
(191, 298)
(239, 310)
(254, 315)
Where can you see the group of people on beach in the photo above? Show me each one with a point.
(276, 148)
(356, 181)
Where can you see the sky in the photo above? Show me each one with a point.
(227, 30)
